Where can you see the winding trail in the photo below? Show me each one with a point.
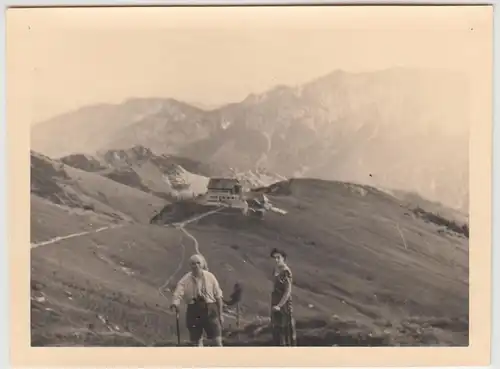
(181, 226)
(164, 286)
(73, 235)
(196, 245)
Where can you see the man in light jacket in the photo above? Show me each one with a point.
(203, 296)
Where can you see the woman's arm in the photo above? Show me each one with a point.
(288, 288)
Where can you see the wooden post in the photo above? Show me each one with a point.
(238, 321)
(238, 315)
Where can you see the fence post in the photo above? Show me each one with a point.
(238, 322)
(238, 315)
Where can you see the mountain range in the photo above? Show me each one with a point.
(397, 129)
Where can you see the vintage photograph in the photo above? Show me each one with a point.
(220, 177)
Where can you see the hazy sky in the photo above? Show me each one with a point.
(218, 55)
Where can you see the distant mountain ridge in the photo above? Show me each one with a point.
(165, 176)
(399, 129)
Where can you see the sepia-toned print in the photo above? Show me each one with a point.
(258, 185)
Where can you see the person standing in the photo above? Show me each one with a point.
(282, 321)
(203, 296)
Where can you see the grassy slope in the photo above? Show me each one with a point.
(133, 204)
(348, 256)
(351, 266)
(50, 220)
(114, 274)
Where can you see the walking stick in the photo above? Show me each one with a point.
(235, 299)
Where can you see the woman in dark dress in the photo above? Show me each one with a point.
(282, 321)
